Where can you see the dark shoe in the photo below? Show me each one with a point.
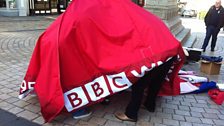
(123, 117)
(212, 50)
(81, 113)
(106, 101)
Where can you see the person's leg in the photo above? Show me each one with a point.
(132, 109)
(133, 106)
(157, 77)
(136, 99)
(207, 37)
(214, 38)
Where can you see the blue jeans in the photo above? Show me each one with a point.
(210, 31)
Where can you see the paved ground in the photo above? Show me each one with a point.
(9, 119)
(17, 39)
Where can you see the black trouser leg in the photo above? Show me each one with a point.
(157, 77)
(138, 88)
(214, 38)
(209, 31)
(136, 99)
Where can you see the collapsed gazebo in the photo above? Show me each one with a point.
(95, 49)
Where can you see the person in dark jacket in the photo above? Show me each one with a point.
(214, 20)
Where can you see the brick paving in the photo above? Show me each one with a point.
(17, 39)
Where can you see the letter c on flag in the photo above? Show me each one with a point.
(116, 85)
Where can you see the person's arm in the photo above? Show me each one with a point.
(206, 19)
(221, 23)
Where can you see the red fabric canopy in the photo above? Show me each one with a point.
(95, 49)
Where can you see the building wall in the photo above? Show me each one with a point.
(21, 7)
(29, 7)
(14, 8)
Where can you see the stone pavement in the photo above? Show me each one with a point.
(17, 39)
(9, 119)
